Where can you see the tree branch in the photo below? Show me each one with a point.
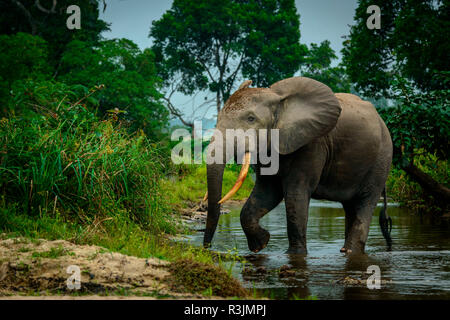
(439, 192)
(40, 7)
(28, 15)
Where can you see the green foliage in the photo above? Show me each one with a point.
(63, 160)
(23, 56)
(207, 45)
(191, 184)
(419, 121)
(420, 129)
(129, 77)
(272, 32)
(412, 41)
(406, 191)
(49, 23)
(317, 66)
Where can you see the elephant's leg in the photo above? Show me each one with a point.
(297, 206)
(266, 195)
(350, 215)
(359, 217)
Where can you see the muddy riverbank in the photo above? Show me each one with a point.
(44, 268)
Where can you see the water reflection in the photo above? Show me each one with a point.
(418, 267)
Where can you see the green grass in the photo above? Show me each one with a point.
(65, 174)
(64, 160)
(53, 253)
(191, 184)
(117, 235)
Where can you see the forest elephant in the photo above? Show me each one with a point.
(331, 146)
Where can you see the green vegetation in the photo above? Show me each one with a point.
(420, 130)
(206, 278)
(412, 70)
(402, 46)
(64, 161)
(84, 141)
(317, 65)
(53, 253)
(190, 185)
(405, 190)
(65, 174)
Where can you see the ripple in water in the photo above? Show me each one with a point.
(418, 267)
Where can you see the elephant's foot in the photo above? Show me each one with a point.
(344, 250)
(297, 250)
(259, 241)
(353, 249)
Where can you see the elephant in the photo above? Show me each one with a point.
(331, 146)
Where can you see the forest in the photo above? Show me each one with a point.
(85, 121)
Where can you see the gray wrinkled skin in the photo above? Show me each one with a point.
(332, 146)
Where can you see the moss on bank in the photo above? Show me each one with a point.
(194, 276)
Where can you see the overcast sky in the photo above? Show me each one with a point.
(319, 20)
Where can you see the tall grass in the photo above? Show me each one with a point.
(59, 158)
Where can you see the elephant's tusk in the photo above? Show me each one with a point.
(240, 179)
(205, 197)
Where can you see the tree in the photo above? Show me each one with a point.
(48, 20)
(317, 66)
(208, 45)
(419, 123)
(407, 60)
(23, 56)
(129, 77)
(412, 42)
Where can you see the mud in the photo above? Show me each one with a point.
(39, 267)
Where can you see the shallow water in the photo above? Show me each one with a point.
(418, 267)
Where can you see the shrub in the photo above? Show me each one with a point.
(62, 159)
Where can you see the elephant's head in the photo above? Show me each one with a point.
(302, 109)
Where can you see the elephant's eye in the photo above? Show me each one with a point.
(251, 118)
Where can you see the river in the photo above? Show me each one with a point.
(418, 267)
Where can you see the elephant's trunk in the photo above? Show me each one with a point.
(214, 174)
(215, 177)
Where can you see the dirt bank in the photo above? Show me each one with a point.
(40, 267)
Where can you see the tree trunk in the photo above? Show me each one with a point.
(438, 191)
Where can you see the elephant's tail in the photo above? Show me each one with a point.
(386, 221)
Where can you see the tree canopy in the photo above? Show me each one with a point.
(412, 42)
(211, 44)
(48, 20)
(317, 65)
(129, 77)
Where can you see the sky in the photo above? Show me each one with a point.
(319, 20)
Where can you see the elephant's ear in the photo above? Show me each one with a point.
(308, 110)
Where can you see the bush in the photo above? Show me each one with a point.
(61, 159)
(23, 56)
(406, 191)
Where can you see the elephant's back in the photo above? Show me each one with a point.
(359, 120)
